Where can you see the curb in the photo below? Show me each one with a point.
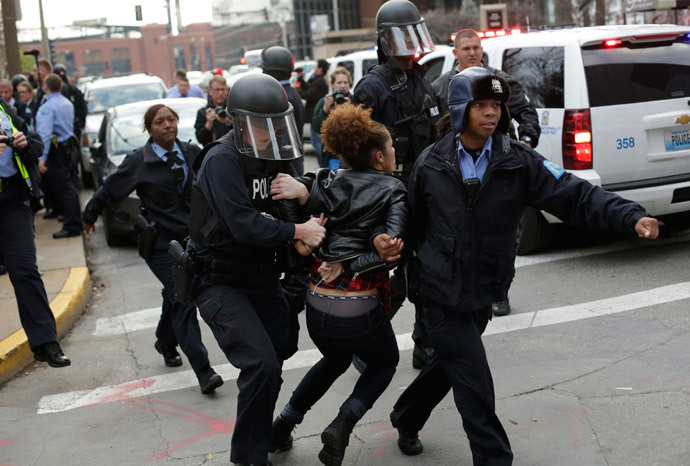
(15, 353)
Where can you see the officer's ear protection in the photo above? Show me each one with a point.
(471, 187)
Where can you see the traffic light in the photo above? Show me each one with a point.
(137, 12)
(51, 51)
(266, 14)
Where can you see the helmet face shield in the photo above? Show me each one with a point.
(405, 40)
(270, 137)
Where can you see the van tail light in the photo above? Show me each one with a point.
(577, 140)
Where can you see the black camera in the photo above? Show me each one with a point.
(10, 139)
(340, 96)
(221, 112)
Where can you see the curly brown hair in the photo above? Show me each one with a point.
(351, 134)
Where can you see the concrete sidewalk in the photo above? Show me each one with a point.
(62, 264)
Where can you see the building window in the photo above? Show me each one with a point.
(93, 63)
(121, 61)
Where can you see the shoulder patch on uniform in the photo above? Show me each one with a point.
(554, 168)
(44, 110)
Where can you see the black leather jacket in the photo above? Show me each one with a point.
(359, 204)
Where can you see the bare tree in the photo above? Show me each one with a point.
(442, 22)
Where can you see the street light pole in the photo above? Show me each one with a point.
(44, 34)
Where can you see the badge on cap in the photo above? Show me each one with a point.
(496, 86)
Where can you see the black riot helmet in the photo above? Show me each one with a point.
(401, 30)
(263, 119)
(476, 83)
(16, 79)
(278, 62)
(61, 71)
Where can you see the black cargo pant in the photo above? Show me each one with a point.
(178, 322)
(62, 174)
(459, 363)
(250, 324)
(19, 250)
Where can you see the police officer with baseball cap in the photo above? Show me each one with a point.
(235, 233)
(467, 193)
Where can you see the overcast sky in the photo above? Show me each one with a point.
(119, 12)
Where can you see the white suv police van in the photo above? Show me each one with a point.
(614, 106)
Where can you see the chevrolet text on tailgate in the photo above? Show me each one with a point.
(614, 106)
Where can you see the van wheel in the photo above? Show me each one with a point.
(535, 232)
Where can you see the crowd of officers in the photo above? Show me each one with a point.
(432, 183)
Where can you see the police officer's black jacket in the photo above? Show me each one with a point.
(242, 225)
(218, 130)
(465, 249)
(358, 204)
(156, 187)
(29, 154)
(376, 94)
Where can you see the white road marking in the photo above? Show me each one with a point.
(185, 379)
(148, 318)
(125, 323)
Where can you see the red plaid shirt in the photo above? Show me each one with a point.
(377, 278)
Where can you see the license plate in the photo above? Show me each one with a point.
(677, 139)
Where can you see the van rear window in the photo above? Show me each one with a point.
(623, 75)
(540, 72)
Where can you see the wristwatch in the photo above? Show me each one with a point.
(526, 139)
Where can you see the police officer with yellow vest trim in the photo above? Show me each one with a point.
(19, 198)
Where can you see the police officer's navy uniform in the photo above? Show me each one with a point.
(20, 195)
(236, 233)
(166, 202)
(55, 125)
(465, 252)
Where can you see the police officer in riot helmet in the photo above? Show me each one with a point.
(279, 62)
(402, 98)
(235, 234)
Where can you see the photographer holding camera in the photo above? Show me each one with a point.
(213, 121)
(341, 80)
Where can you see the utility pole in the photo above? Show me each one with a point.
(14, 65)
(45, 50)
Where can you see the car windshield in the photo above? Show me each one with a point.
(127, 132)
(99, 100)
(624, 75)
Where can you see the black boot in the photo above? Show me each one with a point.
(336, 437)
(408, 441)
(281, 435)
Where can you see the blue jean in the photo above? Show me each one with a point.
(370, 337)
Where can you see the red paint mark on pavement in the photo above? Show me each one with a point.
(212, 425)
(10, 441)
(388, 434)
(680, 382)
(122, 393)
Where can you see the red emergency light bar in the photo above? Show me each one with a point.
(493, 33)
